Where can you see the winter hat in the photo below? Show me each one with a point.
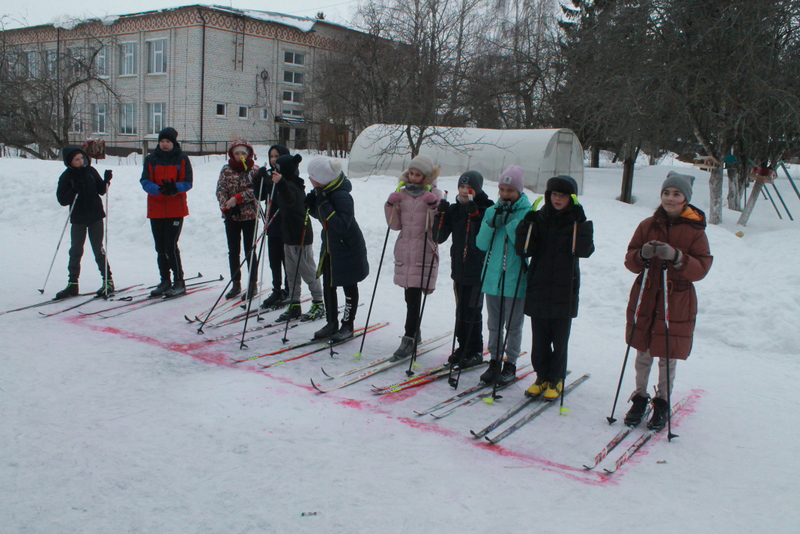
(513, 176)
(323, 170)
(68, 154)
(472, 178)
(288, 165)
(168, 133)
(241, 142)
(681, 182)
(422, 163)
(563, 184)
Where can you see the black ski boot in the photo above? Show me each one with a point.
(494, 369)
(236, 288)
(276, 298)
(636, 413)
(326, 331)
(178, 288)
(161, 288)
(508, 374)
(70, 291)
(106, 289)
(406, 348)
(455, 358)
(471, 359)
(345, 332)
(660, 413)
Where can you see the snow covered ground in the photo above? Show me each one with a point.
(129, 424)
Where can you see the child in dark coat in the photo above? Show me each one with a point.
(80, 186)
(343, 252)
(553, 238)
(462, 220)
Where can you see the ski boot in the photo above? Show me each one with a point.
(70, 291)
(660, 413)
(236, 288)
(554, 388)
(178, 288)
(636, 413)
(106, 289)
(161, 288)
(538, 387)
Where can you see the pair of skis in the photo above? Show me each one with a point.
(425, 377)
(621, 435)
(87, 301)
(376, 366)
(541, 407)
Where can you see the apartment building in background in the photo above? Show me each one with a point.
(214, 73)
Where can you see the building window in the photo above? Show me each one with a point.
(127, 119)
(293, 58)
(156, 117)
(242, 112)
(292, 77)
(127, 59)
(293, 112)
(101, 62)
(264, 114)
(76, 59)
(33, 65)
(157, 56)
(50, 63)
(77, 122)
(293, 96)
(99, 118)
(222, 110)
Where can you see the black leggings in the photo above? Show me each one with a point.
(332, 300)
(165, 234)
(235, 231)
(78, 237)
(413, 303)
(276, 261)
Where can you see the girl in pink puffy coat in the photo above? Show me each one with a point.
(411, 210)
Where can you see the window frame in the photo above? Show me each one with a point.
(96, 114)
(126, 125)
(124, 56)
(152, 128)
(287, 61)
(152, 53)
(224, 114)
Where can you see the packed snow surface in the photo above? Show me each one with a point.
(134, 424)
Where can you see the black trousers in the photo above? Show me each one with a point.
(166, 233)
(78, 234)
(276, 261)
(469, 317)
(235, 232)
(413, 297)
(550, 340)
(332, 300)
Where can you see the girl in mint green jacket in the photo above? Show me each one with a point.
(504, 281)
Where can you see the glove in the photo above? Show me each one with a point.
(665, 252)
(471, 207)
(429, 198)
(443, 205)
(648, 250)
(168, 188)
(263, 173)
(530, 217)
(311, 200)
(107, 176)
(395, 198)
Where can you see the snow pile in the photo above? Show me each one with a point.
(130, 424)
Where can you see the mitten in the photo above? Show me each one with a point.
(648, 250)
(429, 198)
(395, 198)
(530, 217)
(666, 252)
(471, 207)
(443, 205)
(311, 200)
(107, 176)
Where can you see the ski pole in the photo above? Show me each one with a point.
(434, 257)
(459, 308)
(561, 409)
(377, 277)
(670, 435)
(252, 261)
(636, 311)
(500, 321)
(105, 246)
(296, 274)
(66, 223)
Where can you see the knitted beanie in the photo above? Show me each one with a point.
(168, 133)
(323, 170)
(681, 182)
(422, 163)
(513, 176)
(472, 178)
(563, 184)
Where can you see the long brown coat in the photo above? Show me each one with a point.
(687, 234)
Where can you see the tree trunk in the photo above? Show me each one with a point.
(627, 181)
(715, 196)
(735, 188)
(595, 159)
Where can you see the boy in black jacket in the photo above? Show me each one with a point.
(554, 238)
(81, 186)
(297, 238)
(462, 219)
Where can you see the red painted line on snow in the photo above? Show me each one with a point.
(595, 477)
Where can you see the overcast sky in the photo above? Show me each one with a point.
(17, 13)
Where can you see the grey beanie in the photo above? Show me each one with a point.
(681, 182)
(472, 178)
(423, 163)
